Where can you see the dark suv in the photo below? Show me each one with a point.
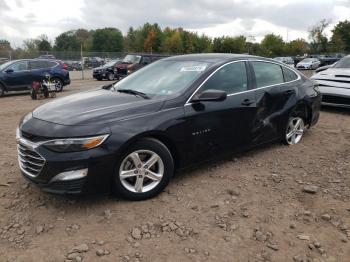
(133, 62)
(18, 75)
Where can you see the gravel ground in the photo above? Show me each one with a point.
(274, 203)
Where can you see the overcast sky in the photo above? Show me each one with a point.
(21, 19)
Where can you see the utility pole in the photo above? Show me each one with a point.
(82, 61)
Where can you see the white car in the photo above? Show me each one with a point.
(334, 83)
(309, 63)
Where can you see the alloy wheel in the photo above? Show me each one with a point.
(58, 84)
(141, 171)
(295, 130)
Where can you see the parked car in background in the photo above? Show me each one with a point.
(286, 60)
(107, 71)
(322, 68)
(47, 57)
(133, 62)
(308, 63)
(334, 83)
(329, 59)
(73, 65)
(131, 136)
(18, 75)
(3, 60)
(92, 62)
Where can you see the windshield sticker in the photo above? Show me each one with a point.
(193, 68)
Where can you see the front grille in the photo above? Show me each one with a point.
(30, 162)
(336, 100)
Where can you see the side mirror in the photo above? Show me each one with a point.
(10, 70)
(210, 95)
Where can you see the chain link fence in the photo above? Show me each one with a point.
(79, 63)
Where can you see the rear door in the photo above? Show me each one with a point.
(16, 76)
(270, 100)
(213, 127)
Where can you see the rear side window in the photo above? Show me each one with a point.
(289, 75)
(231, 78)
(41, 64)
(267, 74)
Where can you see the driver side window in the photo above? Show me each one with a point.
(19, 66)
(231, 78)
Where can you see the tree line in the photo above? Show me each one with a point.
(152, 38)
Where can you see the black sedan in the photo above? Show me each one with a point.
(131, 136)
(107, 71)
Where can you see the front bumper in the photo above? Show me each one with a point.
(98, 75)
(40, 166)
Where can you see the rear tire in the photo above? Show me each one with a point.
(58, 83)
(294, 130)
(110, 76)
(143, 170)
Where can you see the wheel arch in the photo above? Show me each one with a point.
(304, 110)
(3, 85)
(160, 136)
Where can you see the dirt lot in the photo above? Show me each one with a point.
(247, 207)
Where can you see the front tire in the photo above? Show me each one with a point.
(110, 76)
(144, 170)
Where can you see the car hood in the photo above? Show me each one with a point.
(333, 72)
(100, 68)
(95, 107)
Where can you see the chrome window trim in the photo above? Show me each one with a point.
(250, 90)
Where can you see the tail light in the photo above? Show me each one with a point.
(65, 66)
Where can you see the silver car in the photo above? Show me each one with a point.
(334, 83)
(309, 63)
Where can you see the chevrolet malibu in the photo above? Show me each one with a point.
(130, 137)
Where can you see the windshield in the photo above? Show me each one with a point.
(343, 63)
(132, 59)
(111, 63)
(3, 66)
(163, 77)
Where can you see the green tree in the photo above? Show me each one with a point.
(297, 47)
(228, 44)
(108, 40)
(5, 45)
(319, 41)
(43, 44)
(173, 42)
(130, 40)
(67, 41)
(84, 37)
(272, 45)
(341, 36)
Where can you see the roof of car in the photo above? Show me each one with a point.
(211, 57)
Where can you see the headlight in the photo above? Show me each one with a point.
(26, 118)
(74, 144)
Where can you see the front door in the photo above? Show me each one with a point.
(214, 127)
(16, 76)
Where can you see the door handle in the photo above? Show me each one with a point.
(247, 102)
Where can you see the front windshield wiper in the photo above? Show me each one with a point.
(133, 92)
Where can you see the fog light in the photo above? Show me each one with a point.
(70, 175)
